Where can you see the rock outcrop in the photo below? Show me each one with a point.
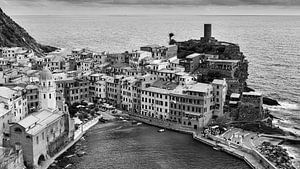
(13, 35)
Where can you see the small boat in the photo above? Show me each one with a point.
(139, 124)
(161, 130)
(70, 155)
(81, 153)
(217, 148)
(124, 120)
(67, 166)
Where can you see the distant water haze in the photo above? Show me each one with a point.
(151, 7)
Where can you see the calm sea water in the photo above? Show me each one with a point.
(123, 145)
(270, 43)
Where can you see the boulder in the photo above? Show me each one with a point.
(270, 102)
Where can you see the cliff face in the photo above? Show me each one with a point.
(13, 35)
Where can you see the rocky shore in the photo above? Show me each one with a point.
(277, 155)
(13, 35)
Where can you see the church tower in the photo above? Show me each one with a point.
(47, 90)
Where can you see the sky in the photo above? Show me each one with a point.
(151, 7)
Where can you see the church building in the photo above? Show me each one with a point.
(44, 133)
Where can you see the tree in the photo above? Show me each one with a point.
(171, 41)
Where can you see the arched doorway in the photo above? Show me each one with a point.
(41, 159)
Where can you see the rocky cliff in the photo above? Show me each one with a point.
(13, 35)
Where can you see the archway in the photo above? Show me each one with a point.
(41, 159)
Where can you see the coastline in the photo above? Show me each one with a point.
(77, 136)
(253, 158)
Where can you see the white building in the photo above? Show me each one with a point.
(127, 91)
(16, 102)
(192, 104)
(6, 117)
(155, 99)
(220, 92)
(42, 134)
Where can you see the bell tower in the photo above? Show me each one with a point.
(47, 90)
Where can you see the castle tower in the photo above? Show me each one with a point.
(207, 31)
(47, 90)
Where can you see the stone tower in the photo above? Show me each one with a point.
(47, 90)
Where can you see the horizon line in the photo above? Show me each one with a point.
(155, 15)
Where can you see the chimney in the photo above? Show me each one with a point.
(207, 31)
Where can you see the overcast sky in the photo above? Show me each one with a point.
(140, 7)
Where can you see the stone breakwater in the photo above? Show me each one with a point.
(252, 157)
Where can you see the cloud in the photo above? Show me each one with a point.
(175, 2)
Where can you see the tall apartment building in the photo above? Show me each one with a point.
(155, 99)
(220, 92)
(74, 90)
(32, 94)
(192, 104)
(97, 88)
(113, 90)
(16, 101)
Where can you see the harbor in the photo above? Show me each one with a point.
(78, 134)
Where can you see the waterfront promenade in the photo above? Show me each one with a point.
(77, 135)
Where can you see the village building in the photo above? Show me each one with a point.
(192, 104)
(97, 88)
(16, 101)
(43, 133)
(220, 92)
(113, 90)
(32, 94)
(155, 99)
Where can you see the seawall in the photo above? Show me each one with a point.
(253, 158)
(77, 135)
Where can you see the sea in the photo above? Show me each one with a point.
(271, 44)
(123, 145)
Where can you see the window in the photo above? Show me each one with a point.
(49, 96)
(37, 139)
(44, 96)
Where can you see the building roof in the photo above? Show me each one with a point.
(235, 95)
(45, 74)
(28, 87)
(196, 87)
(7, 92)
(193, 55)
(3, 110)
(252, 94)
(219, 82)
(36, 122)
(164, 84)
(223, 61)
(151, 46)
(233, 102)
